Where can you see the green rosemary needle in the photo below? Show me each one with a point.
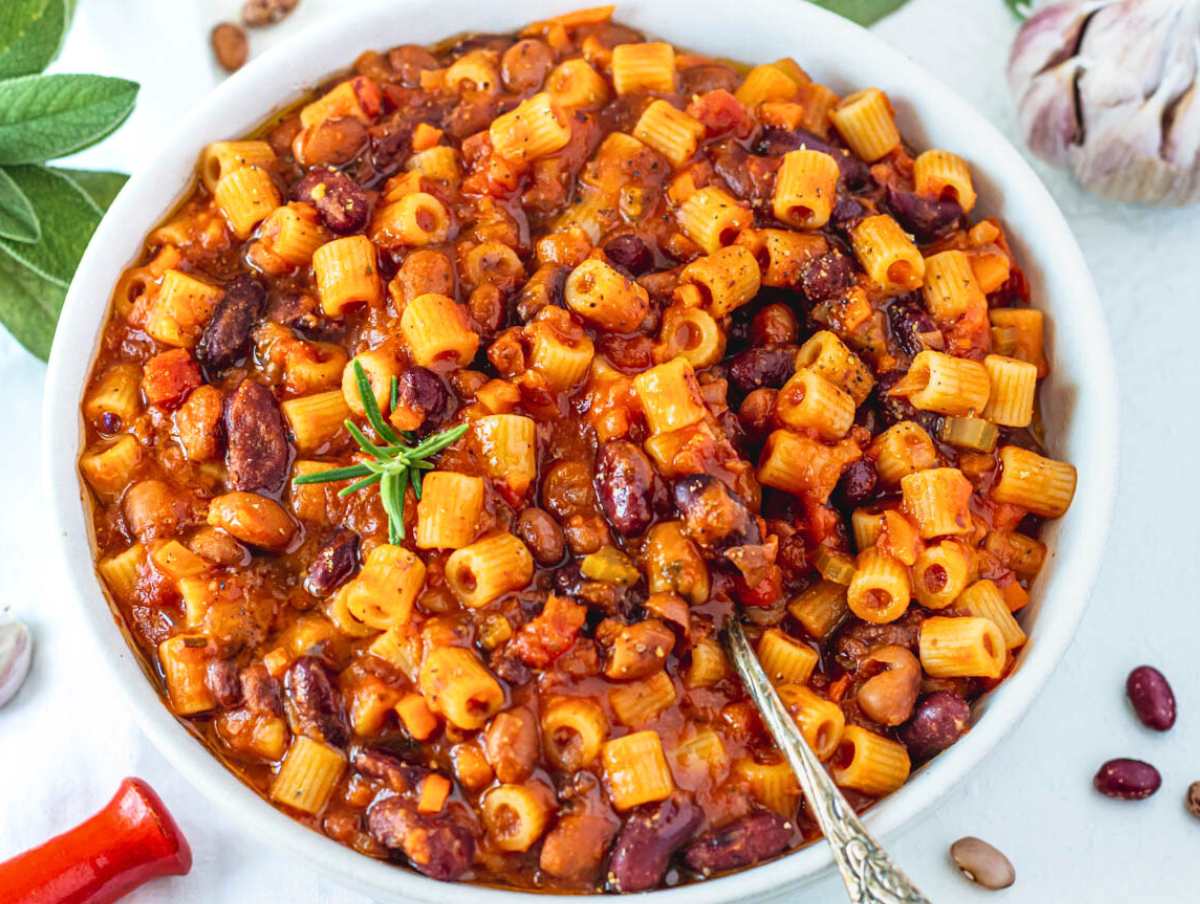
(391, 466)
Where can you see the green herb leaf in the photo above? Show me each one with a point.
(31, 34)
(68, 217)
(864, 12)
(1022, 9)
(17, 219)
(47, 116)
(99, 185)
(29, 306)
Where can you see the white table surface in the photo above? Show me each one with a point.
(69, 738)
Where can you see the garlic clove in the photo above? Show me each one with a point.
(16, 650)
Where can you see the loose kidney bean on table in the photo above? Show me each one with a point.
(1151, 697)
(1127, 779)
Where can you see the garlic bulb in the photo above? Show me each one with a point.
(1108, 88)
(16, 649)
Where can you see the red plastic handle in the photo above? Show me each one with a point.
(131, 841)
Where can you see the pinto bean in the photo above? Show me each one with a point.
(629, 253)
(153, 510)
(888, 696)
(575, 847)
(260, 690)
(712, 515)
(257, 13)
(227, 335)
(331, 141)
(408, 61)
(541, 533)
(567, 489)
(982, 864)
(702, 79)
(650, 836)
(857, 640)
(774, 324)
(940, 720)
(639, 649)
(625, 486)
(526, 64)
(433, 843)
(762, 367)
(258, 454)
(510, 744)
(339, 200)
(230, 46)
(752, 838)
(314, 703)
(221, 677)
(335, 563)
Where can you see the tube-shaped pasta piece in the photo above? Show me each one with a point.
(945, 384)
(636, 770)
(436, 330)
(597, 292)
(902, 449)
(727, 279)
(1024, 555)
(646, 68)
(869, 762)
(383, 594)
(939, 501)
(785, 659)
(887, 254)
(1014, 386)
(808, 400)
(950, 288)
(819, 102)
(416, 219)
(315, 419)
(293, 233)
(824, 353)
(962, 647)
(773, 784)
(576, 85)
(703, 750)
(945, 176)
(246, 196)
(477, 68)
(670, 131)
(820, 608)
(670, 396)
(121, 572)
(879, 592)
(1042, 485)
(708, 665)
(223, 157)
(1027, 327)
(456, 684)
(381, 365)
(797, 463)
(764, 84)
(310, 772)
(180, 310)
(866, 524)
(639, 702)
(972, 433)
(821, 721)
(712, 218)
(437, 164)
(865, 120)
(559, 349)
(516, 816)
(941, 572)
(508, 448)
(535, 128)
(674, 564)
(983, 599)
(184, 660)
(450, 506)
(573, 731)
(488, 568)
(108, 465)
(692, 334)
(346, 274)
(805, 189)
(117, 392)
(782, 253)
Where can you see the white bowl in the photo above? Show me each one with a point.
(1079, 398)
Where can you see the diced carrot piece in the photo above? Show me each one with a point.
(435, 788)
(168, 377)
(417, 717)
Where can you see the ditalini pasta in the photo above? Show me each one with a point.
(434, 440)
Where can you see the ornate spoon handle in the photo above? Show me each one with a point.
(867, 870)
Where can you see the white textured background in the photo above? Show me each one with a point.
(68, 739)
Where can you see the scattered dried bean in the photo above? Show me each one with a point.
(1127, 779)
(16, 648)
(1151, 697)
(230, 46)
(1193, 799)
(982, 863)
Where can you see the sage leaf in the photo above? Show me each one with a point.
(68, 217)
(1022, 9)
(31, 34)
(29, 306)
(864, 12)
(101, 186)
(17, 219)
(47, 116)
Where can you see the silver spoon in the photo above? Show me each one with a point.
(867, 870)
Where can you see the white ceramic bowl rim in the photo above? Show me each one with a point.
(844, 55)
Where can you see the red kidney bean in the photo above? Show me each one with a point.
(983, 864)
(315, 704)
(775, 142)
(420, 390)
(335, 563)
(227, 334)
(857, 483)
(648, 839)
(257, 454)
(752, 838)
(400, 776)
(826, 276)
(1127, 779)
(629, 253)
(926, 218)
(221, 677)
(908, 322)
(749, 177)
(260, 690)
(433, 843)
(338, 199)
(628, 353)
(759, 367)
(625, 485)
(940, 720)
(1151, 697)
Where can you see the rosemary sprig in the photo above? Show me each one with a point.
(393, 465)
